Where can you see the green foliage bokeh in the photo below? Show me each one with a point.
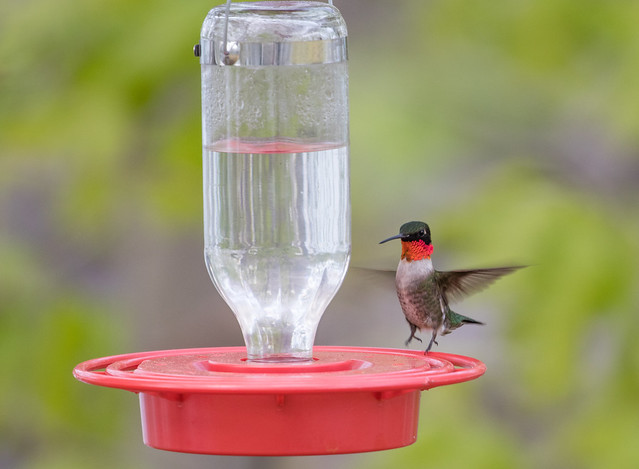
(511, 127)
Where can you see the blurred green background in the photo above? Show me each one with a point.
(511, 127)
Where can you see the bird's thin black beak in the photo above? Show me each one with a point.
(392, 237)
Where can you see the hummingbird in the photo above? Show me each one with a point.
(425, 293)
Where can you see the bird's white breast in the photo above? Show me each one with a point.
(411, 272)
(409, 282)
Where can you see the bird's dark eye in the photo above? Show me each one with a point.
(421, 232)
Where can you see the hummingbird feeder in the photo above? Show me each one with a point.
(277, 247)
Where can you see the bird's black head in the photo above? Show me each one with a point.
(412, 231)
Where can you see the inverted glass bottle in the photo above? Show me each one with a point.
(276, 168)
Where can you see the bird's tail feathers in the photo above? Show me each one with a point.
(454, 320)
(467, 320)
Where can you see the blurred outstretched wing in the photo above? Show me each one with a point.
(456, 284)
(376, 276)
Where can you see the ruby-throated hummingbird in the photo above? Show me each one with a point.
(424, 293)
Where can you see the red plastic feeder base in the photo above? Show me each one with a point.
(213, 401)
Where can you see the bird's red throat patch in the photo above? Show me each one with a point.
(416, 250)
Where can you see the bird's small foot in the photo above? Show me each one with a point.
(430, 345)
(410, 339)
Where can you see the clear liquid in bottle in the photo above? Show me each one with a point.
(277, 238)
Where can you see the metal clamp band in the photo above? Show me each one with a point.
(254, 54)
